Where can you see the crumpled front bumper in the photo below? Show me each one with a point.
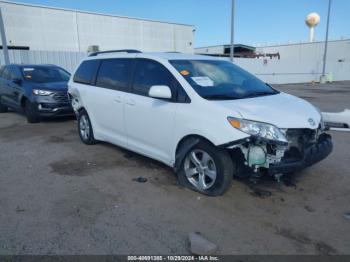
(311, 156)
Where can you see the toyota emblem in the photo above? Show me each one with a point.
(312, 122)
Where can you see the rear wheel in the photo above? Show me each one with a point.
(85, 129)
(207, 169)
(3, 109)
(32, 116)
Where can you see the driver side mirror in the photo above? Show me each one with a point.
(161, 92)
(17, 81)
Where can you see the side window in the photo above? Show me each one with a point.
(15, 73)
(86, 72)
(114, 74)
(149, 73)
(6, 73)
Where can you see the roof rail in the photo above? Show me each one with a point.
(130, 51)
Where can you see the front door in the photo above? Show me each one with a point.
(15, 88)
(150, 122)
(7, 88)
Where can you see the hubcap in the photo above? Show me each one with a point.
(84, 127)
(200, 169)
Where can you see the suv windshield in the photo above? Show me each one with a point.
(44, 74)
(221, 80)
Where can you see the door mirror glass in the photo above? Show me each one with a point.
(17, 81)
(162, 92)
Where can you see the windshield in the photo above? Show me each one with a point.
(221, 80)
(45, 74)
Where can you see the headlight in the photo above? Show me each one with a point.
(259, 129)
(40, 92)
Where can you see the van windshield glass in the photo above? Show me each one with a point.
(221, 80)
(45, 74)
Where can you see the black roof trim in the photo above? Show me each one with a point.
(130, 51)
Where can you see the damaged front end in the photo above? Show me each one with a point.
(303, 148)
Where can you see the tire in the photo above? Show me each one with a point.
(207, 169)
(32, 116)
(85, 131)
(3, 109)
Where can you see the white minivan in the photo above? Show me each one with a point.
(207, 118)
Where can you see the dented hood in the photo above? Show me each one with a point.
(281, 110)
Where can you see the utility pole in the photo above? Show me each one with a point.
(3, 39)
(232, 49)
(323, 77)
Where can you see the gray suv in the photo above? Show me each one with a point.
(37, 90)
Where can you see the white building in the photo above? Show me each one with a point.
(338, 50)
(55, 29)
(292, 63)
(225, 50)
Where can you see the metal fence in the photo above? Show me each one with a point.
(66, 60)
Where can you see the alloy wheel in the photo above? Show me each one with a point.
(200, 169)
(84, 127)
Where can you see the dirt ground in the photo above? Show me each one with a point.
(59, 196)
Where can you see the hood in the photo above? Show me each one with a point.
(54, 86)
(281, 110)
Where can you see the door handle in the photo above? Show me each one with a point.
(131, 102)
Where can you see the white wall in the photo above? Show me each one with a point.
(55, 29)
(211, 50)
(286, 71)
(339, 49)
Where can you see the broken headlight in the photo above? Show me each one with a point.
(263, 130)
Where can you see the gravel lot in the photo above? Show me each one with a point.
(58, 196)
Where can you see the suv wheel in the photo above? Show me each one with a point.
(85, 129)
(207, 169)
(3, 109)
(31, 115)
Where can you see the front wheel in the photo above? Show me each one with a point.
(3, 109)
(207, 169)
(31, 115)
(85, 128)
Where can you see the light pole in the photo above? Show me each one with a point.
(232, 49)
(4, 41)
(323, 77)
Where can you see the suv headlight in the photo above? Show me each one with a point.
(263, 130)
(40, 92)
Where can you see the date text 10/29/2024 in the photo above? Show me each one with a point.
(173, 258)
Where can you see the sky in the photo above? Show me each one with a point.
(257, 22)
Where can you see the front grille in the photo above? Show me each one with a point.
(298, 141)
(61, 97)
(301, 138)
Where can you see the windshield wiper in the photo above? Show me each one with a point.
(256, 94)
(220, 97)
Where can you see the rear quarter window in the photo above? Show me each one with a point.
(6, 73)
(86, 72)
